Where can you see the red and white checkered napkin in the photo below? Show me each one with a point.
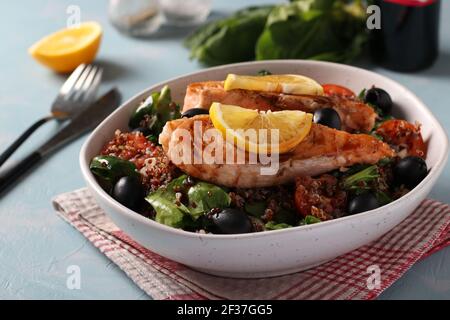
(422, 233)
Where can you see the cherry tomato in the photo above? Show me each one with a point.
(337, 90)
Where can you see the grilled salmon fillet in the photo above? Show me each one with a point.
(324, 149)
(355, 115)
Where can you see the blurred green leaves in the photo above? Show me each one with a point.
(332, 30)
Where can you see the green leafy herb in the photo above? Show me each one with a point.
(230, 39)
(359, 180)
(155, 111)
(311, 220)
(374, 178)
(272, 225)
(109, 169)
(303, 29)
(204, 197)
(169, 210)
(153, 138)
(180, 204)
(362, 94)
(145, 108)
(353, 169)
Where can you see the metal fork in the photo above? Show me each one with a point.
(76, 93)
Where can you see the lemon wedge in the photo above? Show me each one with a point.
(233, 122)
(66, 49)
(283, 83)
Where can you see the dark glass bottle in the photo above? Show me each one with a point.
(409, 36)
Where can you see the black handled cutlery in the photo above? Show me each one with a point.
(86, 120)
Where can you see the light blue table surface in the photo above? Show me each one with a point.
(36, 246)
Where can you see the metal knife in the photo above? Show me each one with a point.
(86, 120)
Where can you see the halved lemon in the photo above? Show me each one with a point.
(291, 127)
(66, 49)
(283, 83)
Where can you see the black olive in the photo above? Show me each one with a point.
(193, 112)
(230, 221)
(379, 98)
(328, 117)
(128, 191)
(363, 202)
(144, 131)
(410, 171)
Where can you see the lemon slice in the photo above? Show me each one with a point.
(283, 83)
(66, 49)
(233, 122)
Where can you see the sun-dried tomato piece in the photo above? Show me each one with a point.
(403, 135)
(151, 161)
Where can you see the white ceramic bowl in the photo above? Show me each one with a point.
(278, 252)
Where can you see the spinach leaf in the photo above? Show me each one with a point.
(271, 225)
(145, 108)
(309, 29)
(155, 111)
(204, 197)
(195, 201)
(169, 210)
(311, 220)
(111, 168)
(231, 39)
(165, 110)
(319, 30)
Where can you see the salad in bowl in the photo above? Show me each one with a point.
(261, 152)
